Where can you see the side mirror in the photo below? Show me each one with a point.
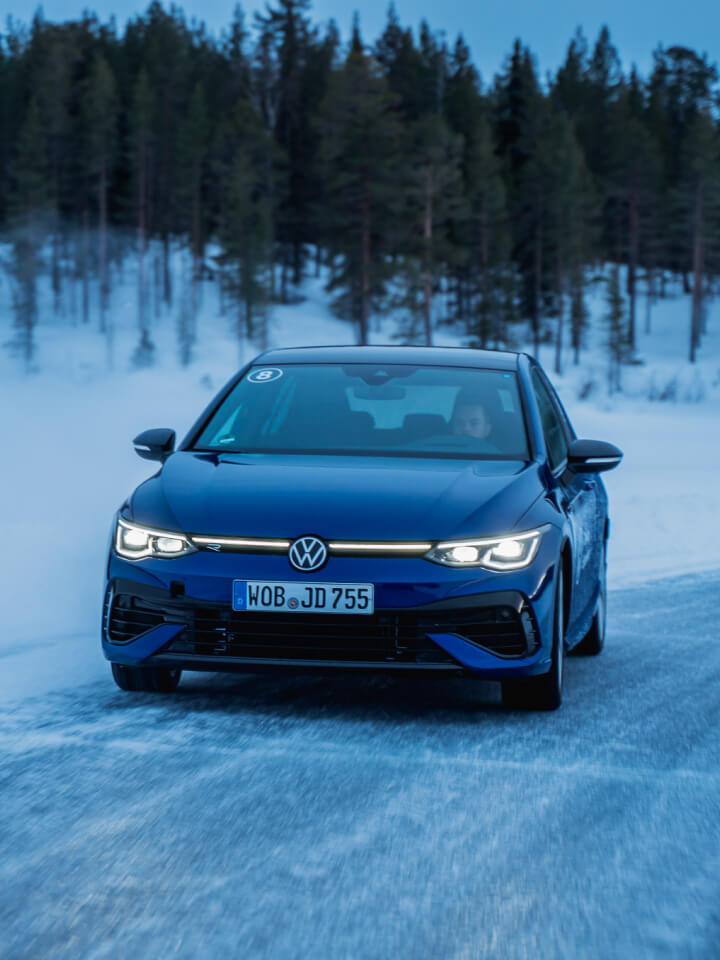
(155, 444)
(592, 456)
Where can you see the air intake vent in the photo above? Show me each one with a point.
(127, 618)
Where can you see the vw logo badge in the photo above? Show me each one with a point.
(307, 553)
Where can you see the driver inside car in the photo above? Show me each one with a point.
(470, 418)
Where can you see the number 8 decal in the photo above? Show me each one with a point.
(267, 375)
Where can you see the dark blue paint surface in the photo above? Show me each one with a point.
(380, 499)
(346, 498)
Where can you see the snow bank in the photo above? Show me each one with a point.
(665, 496)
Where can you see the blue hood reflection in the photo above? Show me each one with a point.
(334, 497)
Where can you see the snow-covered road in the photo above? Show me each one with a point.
(362, 818)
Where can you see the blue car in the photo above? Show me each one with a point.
(378, 508)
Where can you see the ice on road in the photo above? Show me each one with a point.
(357, 817)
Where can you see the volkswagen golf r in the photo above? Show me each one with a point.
(384, 508)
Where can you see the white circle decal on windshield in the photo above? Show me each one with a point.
(267, 375)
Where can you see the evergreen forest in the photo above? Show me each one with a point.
(278, 150)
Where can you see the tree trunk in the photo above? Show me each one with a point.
(102, 247)
(561, 316)
(297, 263)
(698, 270)
(633, 242)
(167, 286)
(157, 284)
(26, 245)
(484, 259)
(427, 257)
(196, 243)
(240, 326)
(365, 276)
(197, 257)
(142, 307)
(56, 273)
(85, 267)
(576, 312)
(537, 279)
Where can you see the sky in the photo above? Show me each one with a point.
(489, 27)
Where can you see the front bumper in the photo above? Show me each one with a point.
(178, 614)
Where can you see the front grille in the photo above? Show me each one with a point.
(216, 630)
(379, 637)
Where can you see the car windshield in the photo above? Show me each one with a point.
(372, 410)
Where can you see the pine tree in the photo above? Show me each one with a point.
(236, 57)
(320, 62)
(194, 139)
(433, 197)
(143, 142)
(246, 252)
(681, 86)
(401, 64)
(615, 325)
(595, 128)
(28, 209)
(99, 113)
(193, 142)
(632, 186)
(480, 230)
(246, 226)
(521, 116)
(287, 38)
(569, 89)
(6, 73)
(166, 62)
(488, 239)
(702, 189)
(56, 52)
(578, 310)
(360, 156)
(571, 218)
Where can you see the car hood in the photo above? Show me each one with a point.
(346, 498)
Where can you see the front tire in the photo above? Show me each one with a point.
(543, 692)
(145, 679)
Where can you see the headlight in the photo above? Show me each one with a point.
(501, 553)
(135, 542)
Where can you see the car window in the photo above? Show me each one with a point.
(552, 423)
(559, 408)
(373, 409)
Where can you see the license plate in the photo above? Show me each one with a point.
(273, 596)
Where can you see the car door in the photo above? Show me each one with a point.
(575, 494)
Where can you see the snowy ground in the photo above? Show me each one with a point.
(294, 818)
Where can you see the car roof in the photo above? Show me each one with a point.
(412, 355)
